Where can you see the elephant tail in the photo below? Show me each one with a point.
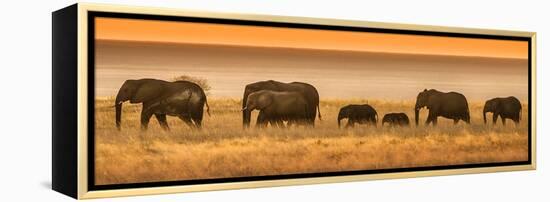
(207, 107)
(468, 117)
(319, 109)
(205, 102)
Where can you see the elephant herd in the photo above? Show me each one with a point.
(295, 103)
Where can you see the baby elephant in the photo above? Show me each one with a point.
(361, 114)
(396, 119)
(506, 108)
(276, 107)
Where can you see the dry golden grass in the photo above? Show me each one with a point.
(223, 149)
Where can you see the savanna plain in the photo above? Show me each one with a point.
(224, 149)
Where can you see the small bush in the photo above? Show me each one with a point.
(202, 82)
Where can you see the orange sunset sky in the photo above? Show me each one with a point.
(205, 33)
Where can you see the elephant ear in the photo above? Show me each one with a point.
(147, 91)
(432, 102)
(264, 101)
(496, 104)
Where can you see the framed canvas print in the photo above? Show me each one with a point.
(150, 101)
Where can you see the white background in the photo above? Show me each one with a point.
(25, 100)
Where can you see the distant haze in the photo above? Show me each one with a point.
(336, 74)
(283, 37)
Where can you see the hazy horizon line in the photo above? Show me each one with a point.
(380, 99)
(311, 49)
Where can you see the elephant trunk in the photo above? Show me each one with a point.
(485, 116)
(246, 118)
(339, 119)
(246, 113)
(416, 111)
(118, 111)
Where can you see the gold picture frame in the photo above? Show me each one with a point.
(72, 108)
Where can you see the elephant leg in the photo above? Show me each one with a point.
(303, 122)
(289, 123)
(307, 123)
(455, 121)
(145, 117)
(431, 119)
(276, 123)
(495, 117)
(261, 121)
(197, 121)
(162, 121)
(187, 120)
(434, 121)
(273, 123)
(310, 115)
(280, 123)
(371, 122)
(516, 119)
(503, 120)
(466, 118)
(351, 124)
(197, 116)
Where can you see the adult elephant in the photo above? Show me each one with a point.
(451, 105)
(183, 99)
(276, 107)
(506, 108)
(306, 90)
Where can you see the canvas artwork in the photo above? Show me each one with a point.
(184, 101)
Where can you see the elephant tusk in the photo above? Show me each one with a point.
(243, 109)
